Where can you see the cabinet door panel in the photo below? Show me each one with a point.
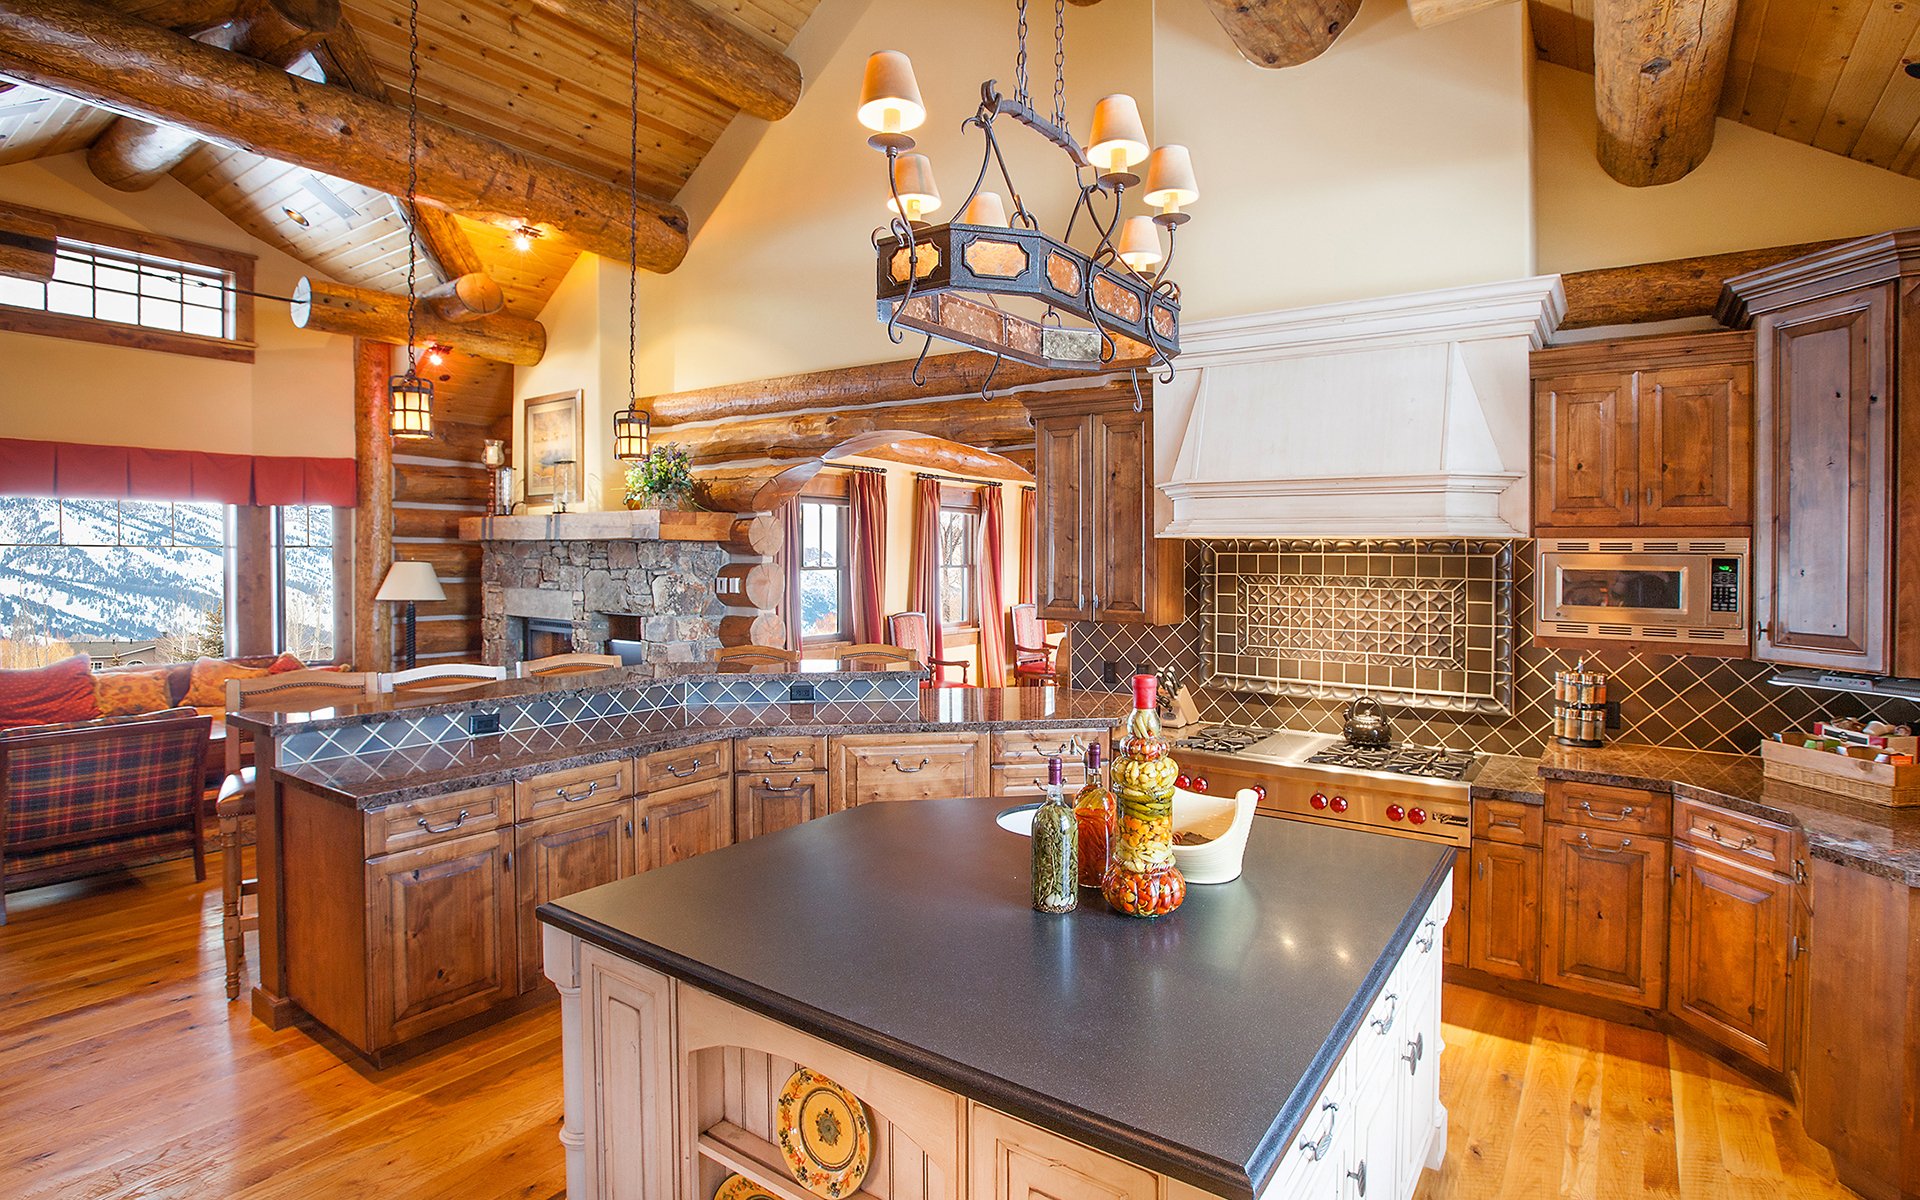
(1586, 451)
(681, 822)
(1124, 551)
(1063, 503)
(442, 931)
(1372, 1166)
(1822, 539)
(1503, 914)
(628, 1048)
(1728, 966)
(1012, 1160)
(1459, 923)
(1696, 446)
(558, 856)
(771, 800)
(1604, 923)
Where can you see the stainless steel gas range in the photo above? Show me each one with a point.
(1406, 791)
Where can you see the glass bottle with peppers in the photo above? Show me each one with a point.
(1142, 878)
(1056, 870)
(1096, 812)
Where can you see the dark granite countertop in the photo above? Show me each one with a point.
(394, 776)
(1191, 1045)
(491, 695)
(1866, 837)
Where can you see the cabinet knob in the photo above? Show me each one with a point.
(1359, 1177)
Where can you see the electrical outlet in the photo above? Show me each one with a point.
(800, 693)
(1109, 671)
(479, 724)
(1613, 714)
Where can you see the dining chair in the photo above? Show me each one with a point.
(1033, 659)
(440, 677)
(909, 629)
(873, 653)
(565, 664)
(756, 654)
(289, 691)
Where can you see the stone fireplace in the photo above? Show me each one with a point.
(554, 585)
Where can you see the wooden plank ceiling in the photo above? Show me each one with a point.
(1828, 74)
(510, 70)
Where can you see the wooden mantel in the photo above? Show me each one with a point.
(641, 525)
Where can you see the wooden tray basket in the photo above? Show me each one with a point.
(1857, 775)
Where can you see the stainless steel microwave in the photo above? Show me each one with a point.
(1689, 591)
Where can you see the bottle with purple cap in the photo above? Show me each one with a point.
(1056, 859)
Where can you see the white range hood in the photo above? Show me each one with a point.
(1407, 416)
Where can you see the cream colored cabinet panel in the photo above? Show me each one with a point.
(628, 1036)
(1012, 1160)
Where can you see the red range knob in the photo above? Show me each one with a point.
(1259, 792)
(1395, 812)
(1318, 800)
(1181, 781)
(1199, 784)
(1417, 815)
(1339, 804)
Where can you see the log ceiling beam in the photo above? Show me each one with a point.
(1658, 70)
(989, 424)
(1428, 13)
(87, 52)
(26, 248)
(382, 317)
(1664, 291)
(133, 155)
(1282, 33)
(694, 46)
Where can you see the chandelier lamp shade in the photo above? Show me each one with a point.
(632, 434)
(1094, 296)
(410, 399)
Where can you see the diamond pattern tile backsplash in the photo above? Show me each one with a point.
(1665, 700)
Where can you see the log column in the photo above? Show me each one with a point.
(1658, 70)
(373, 518)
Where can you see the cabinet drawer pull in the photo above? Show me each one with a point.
(1067, 749)
(1626, 812)
(924, 764)
(766, 785)
(1426, 942)
(1649, 496)
(1359, 1177)
(783, 762)
(1317, 1150)
(692, 767)
(566, 799)
(1415, 1050)
(1384, 1025)
(449, 828)
(1589, 844)
(1746, 843)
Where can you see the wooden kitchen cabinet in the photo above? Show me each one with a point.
(677, 823)
(1503, 914)
(1603, 925)
(1099, 559)
(560, 855)
(771, 800)
(1641, 433)
(872, 767)
(1728, 960)
(1009, 1159)
(1454, 941)
(442, 939)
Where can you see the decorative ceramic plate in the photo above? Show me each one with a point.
(823, 1133)
(739, 1187)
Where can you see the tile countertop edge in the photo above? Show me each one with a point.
(1507, 783)
(1235, 1181)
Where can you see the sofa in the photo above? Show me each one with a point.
(77, 797)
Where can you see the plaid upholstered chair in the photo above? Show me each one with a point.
(120, 791)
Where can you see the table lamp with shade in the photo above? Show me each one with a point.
(409, 583)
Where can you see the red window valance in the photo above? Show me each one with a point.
(73, 471)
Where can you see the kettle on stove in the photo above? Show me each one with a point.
(1367, 723)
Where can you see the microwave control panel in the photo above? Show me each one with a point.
(1724, 591)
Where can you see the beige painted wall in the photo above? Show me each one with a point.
(586, 322)
(295, 399)
(1753, 190)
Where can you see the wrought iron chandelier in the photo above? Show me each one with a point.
(409, 397)
(995, 281)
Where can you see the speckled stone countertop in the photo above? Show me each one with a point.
(395, 776)
(1866, 837)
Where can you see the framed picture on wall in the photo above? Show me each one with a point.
(552, 434)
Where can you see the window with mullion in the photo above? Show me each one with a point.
(959, 528)
(826, 578)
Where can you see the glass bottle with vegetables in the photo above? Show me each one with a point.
(1056, 834)
(1096, 811)
(1142, 878)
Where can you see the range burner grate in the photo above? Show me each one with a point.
(1425, 762)
(1222, 739)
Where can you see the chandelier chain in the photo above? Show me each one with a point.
(1020, 92)
(633, 212)
(413, 173)
(1060, 64)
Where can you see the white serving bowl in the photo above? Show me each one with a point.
(1227, 820)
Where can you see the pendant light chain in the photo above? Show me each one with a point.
(633, 214)
(1020, 92)
(413, 172)
(1060, 65)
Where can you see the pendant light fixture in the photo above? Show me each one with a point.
(633, 426)
(409, 397)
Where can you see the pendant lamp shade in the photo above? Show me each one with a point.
(1119, 139)
(1170, 182)
(913, 183)
(890, 95)
(985, 209)
(632, 434)
(411, 401)
(1140, 244)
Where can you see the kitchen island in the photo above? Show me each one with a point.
(1278, 1035)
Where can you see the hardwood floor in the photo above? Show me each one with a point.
(1547, 1103)
(124, 1073)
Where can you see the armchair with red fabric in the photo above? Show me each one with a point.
(1033, 664)
(909, 630)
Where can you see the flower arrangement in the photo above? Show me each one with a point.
(664, 478)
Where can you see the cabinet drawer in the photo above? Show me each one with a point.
(873, 767)
(1038, 745)
(437, 818)
(780, 754)
(1029, 780)
(1507, 821)
(1759, 843)
(689, 764)
(554, 792)
(1602, 806)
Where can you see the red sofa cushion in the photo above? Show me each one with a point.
(47, 695)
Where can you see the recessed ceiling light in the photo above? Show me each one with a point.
(525, 235)
(296, 216)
